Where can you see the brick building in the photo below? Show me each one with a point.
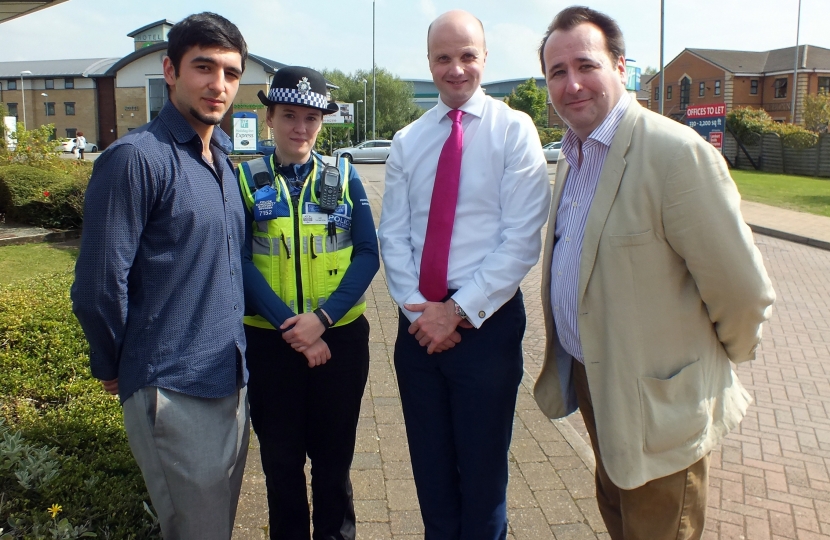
(741, 79)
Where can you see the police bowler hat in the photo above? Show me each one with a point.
(296, 85)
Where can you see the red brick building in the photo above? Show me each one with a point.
(740, 79)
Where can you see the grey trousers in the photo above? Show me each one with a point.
(191, 452)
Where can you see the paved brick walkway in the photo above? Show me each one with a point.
(769, 480)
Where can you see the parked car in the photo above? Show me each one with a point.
(377, 151)
(67, 145)
(552, 151)
(265, 147)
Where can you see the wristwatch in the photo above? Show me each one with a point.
(459, 310)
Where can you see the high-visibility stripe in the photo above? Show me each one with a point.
(262, 246)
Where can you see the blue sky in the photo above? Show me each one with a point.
(338, 33)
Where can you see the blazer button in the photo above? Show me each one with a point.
(481, 314)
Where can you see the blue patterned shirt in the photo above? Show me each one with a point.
(571, 217)
(158, 282)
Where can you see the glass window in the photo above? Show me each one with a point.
(753, 87)
(701, 90)
(49, 83)
(50, 108)
(12, 85)
(12, 107)
(71, 133)
(824, 85)
(780, 88)
(70, 108)
(657, 93)
(385, 144)
(69, 83)
(685, 87)
(158, 96)
(717, 88)
(668, 93)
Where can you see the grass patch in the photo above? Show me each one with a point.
(801, 193)
(28, 260)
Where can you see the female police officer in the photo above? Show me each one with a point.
(310, 254)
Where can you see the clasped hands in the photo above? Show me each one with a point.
(436, 329)
(305, 337)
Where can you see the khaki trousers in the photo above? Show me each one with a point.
(668, 508)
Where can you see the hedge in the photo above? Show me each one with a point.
(52, 405)
(748, 124)
(42, 197)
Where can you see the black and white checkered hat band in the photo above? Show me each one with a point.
(309, 99)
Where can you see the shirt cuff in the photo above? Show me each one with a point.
(474, 303)
(414, 298)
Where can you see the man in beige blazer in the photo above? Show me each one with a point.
(652, 284)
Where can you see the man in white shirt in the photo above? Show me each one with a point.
(458, 353)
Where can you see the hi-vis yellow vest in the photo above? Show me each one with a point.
(301, 262)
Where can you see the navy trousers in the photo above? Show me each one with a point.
(458, 406)
(297, 411)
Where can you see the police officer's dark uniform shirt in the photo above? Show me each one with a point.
(158, 282)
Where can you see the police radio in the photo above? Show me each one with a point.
(330, 189)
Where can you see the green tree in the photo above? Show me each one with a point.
(817, 112)
(395, 107)
(529, 98)
(649, 71)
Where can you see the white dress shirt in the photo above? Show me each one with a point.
(503, 202)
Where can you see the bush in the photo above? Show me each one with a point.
(749, 124)
(548, 135)
(49, 397)
(43, 197)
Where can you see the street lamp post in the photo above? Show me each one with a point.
(357, 119)
(23, 95)
(364, 108)
(374, 78)
(795, 66)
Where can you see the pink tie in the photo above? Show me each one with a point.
(436, 255)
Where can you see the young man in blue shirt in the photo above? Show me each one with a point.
(158, 286)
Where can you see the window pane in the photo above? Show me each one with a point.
(12, 109)
(702, 90)
(12, 85)
(71, 133)
(50, 84)
(656, 93)
(753, 87)
(780, 88)
(717, 88)
(824, 85)
(685, 86)
(668, 92)
(158, 96)
(50, 108)
(70, 108)
(69, 83)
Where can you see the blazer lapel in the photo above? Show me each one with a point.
(607, 186)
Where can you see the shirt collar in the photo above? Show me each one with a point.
(603, 133)
(184, 132)
(474, 105)
(299, 171)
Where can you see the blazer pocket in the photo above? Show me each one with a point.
(674, 410)
(626, 240)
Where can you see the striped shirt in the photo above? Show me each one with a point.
(571, 216)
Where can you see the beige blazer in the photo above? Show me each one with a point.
(671, 287)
